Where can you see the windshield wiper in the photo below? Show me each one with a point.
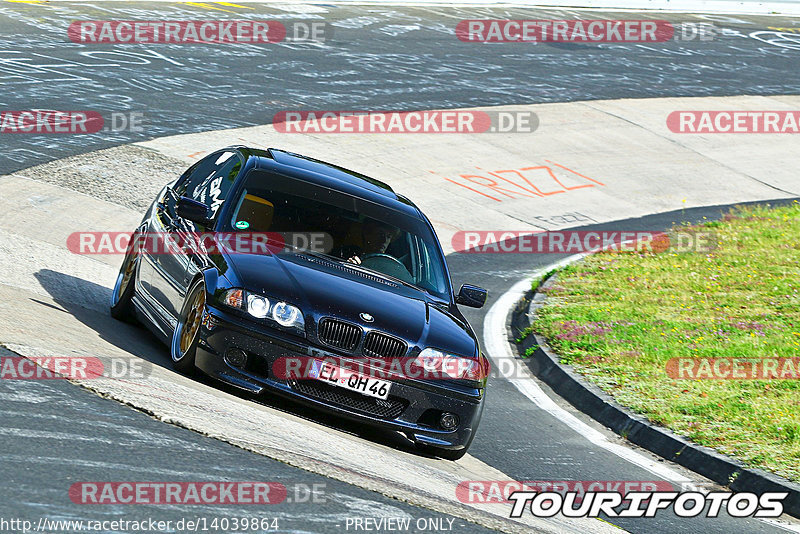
(359, 267)
(387, 277)
(321, 255)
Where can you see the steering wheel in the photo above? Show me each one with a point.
(387, 265)
(382, 255)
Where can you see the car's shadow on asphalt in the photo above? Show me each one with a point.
(88, 302)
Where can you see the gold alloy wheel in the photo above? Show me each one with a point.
(192, 323)
(126, 276)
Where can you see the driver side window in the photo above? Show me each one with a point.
(213, 189)
(208, 181)
(192, 177)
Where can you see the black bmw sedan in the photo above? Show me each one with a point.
(349, 276)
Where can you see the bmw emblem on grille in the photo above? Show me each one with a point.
(367, 317)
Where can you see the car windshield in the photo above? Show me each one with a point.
(355, 230)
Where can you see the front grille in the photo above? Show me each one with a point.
(339, 334)
(380, 345)
(384, 409)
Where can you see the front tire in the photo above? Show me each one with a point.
(122, 295)
(187, 331)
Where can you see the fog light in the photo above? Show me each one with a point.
(448, 421)
(235, 357)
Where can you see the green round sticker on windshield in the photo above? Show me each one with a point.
(242, 225)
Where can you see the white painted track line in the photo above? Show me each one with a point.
(499, 351)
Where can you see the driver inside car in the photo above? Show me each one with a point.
(369, 237)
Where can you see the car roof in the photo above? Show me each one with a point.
(329, 175)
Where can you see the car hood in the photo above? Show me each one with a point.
(323, 288)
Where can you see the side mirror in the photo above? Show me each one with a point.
(192, 210)
(472, 296)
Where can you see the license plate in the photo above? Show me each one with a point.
(347, 379)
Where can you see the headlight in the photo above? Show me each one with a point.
(446, 365)
(285, 314)
(257, 306)
(262, 307)
(430, 360)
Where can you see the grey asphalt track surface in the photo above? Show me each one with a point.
(55, 434)
(380, 58)
(389, 58)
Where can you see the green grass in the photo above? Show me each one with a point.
(619, 317)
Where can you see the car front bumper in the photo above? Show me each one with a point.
(413, 407)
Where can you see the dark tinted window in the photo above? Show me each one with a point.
(212, 179)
